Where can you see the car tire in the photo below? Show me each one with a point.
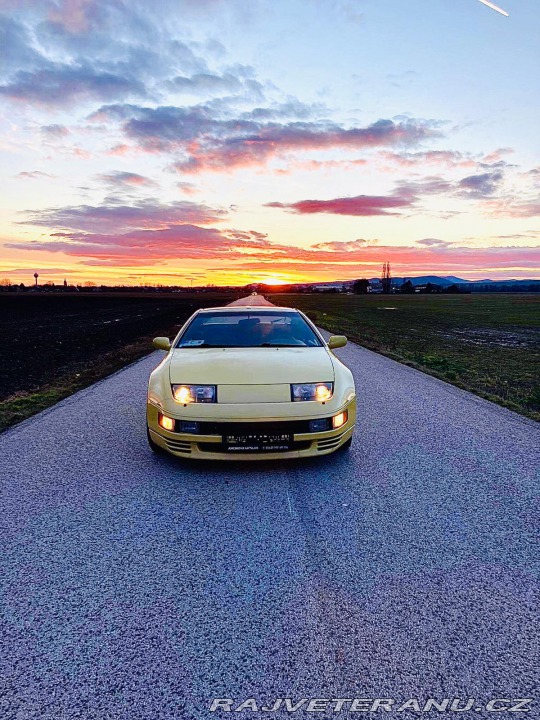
(347, 444)
(154, 446)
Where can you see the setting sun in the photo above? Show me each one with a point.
(275, 281)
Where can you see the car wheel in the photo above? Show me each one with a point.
(154, 446)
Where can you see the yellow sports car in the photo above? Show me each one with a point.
(250, 382)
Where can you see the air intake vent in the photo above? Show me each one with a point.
(329, 443)
(179, 446)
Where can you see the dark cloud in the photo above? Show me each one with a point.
(34, 175)
(205, 140)
(480, 186)
(205, 83)
(124, 180)
(240, 143)
(446, 158)
(114, 216)
(407, 194)
(362, 205)
(54, 131)
(238, 80)
(30, 75)
(63, 84)
(435, 242)
(64, 52)
(473, 186)
(429, 185)
(291, 109)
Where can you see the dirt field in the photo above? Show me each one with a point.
(54, 344)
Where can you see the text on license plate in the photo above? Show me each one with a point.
(258, 442)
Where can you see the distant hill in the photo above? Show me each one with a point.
(455, 280)
(424, 279)
(443, 281)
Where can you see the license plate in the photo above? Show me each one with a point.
(258, 443)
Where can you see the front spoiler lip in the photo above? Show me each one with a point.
(187, 444)
(196, 454)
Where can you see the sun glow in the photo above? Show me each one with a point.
(275, 281)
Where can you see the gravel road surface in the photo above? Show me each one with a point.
(141, 587)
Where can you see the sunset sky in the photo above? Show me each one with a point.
(236, 141)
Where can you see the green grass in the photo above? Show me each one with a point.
(486, 343)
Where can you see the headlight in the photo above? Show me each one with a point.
(312, 391)
(185, 394)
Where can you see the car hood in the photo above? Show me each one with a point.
(250, 366)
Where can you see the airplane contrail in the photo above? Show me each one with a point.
(495, 7)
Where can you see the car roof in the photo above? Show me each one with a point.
(243, 308)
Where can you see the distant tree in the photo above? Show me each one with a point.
(89, 284)
(5, 282)
(360, 287)
(452, 289)
(407, 287)
(431, 288)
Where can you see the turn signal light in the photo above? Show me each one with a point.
(340, 419)
(166, 422)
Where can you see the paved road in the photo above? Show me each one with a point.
(141, 588)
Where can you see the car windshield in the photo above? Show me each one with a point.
(248, 329)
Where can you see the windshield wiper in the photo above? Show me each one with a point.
(276, 344)
(209, 345)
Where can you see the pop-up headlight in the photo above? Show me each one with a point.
(312, 391)
(186, 394)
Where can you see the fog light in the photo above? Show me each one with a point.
(319, 425)
(189, 426)
(166, 423)
(339, 420)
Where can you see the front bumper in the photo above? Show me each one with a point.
(210, 447)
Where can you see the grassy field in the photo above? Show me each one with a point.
(55, 345)
(486, 343)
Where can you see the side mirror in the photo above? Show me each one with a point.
(162, 343)
(337, 341)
